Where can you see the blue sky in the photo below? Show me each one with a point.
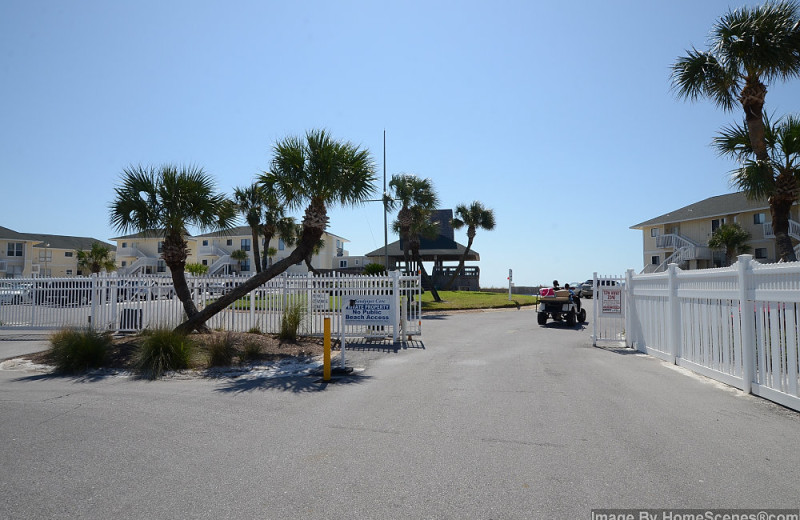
(558, 115)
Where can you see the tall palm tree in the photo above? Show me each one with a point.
(315, 171)
(275, 221)
(250, 202)
(777, 179)
(420, 225)
(750, 47)
(410, 192)
(96, 259)
(164, 202)
(732, 238)
(474, 216)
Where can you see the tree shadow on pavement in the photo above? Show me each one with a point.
(295, 384)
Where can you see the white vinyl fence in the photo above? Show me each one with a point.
(122, 304)
(739, 325)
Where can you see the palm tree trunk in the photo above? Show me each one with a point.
(780, 226)
(256, 249)
(460, 262)
(752, 99)
(303, 249)
(314, 223)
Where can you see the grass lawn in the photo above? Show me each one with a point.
(460, 300)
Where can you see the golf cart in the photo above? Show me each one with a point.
(559, 305)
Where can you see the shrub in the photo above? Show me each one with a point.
(373, 268)
(290, 321)
(221, 351)
(251, 350)
(163, 350)
(76, 350)
(254, 330)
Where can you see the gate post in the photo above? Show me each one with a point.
(631, 336)
(745, 268)
(398, 314)
(674, 313)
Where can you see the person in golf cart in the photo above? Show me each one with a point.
(574, 297)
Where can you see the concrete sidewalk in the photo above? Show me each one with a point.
(19, 342)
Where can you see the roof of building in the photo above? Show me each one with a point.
(54, 241)
(718, 206)
(428, 254)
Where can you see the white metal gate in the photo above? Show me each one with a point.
(609, 311)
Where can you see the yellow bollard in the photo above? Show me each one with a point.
(326, 363)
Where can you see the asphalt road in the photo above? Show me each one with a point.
(487, 416)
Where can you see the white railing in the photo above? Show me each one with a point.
(138, 265)
(212, 250)
(794, 229)
(739, 325)
(129, 303)
(221, 262)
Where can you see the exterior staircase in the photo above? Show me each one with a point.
(683, 251)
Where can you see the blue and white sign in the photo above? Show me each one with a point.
(367, 310)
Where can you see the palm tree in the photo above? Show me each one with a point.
(419, 225)
(474, 216)
(315, 171)
(276, 222)
(409, 192)
(97, 259)
(250, 202)
(732, 238)
(750, 47)
(240, 256)
(777, 179)
(165, 201)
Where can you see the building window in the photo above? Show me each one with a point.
(229, 242)
(205, 262)
(124, 263)
(281, 244)
(161, 247)
(761, 253)
(245, 244)
(69, 272)
(716, 223)
(342, 263)
(15, 248)
(46, 256)
(655, 259)
(654, 232)
(246, 264)
(162, 267)
(124, 244)
(205, 242)
(68, 254)
(758, 218)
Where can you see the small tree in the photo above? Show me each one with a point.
(731, 238)
(97, 259)
(240, 256)
(196, 269)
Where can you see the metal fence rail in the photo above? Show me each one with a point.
(131, 303)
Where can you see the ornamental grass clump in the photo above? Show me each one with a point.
(251, 351)
(163, 350)
(221, 351)
(78, 350)
(291, 320)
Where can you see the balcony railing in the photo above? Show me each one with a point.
(794, 229)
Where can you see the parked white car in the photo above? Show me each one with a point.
(15, 294)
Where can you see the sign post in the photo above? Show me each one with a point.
(510, 280)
